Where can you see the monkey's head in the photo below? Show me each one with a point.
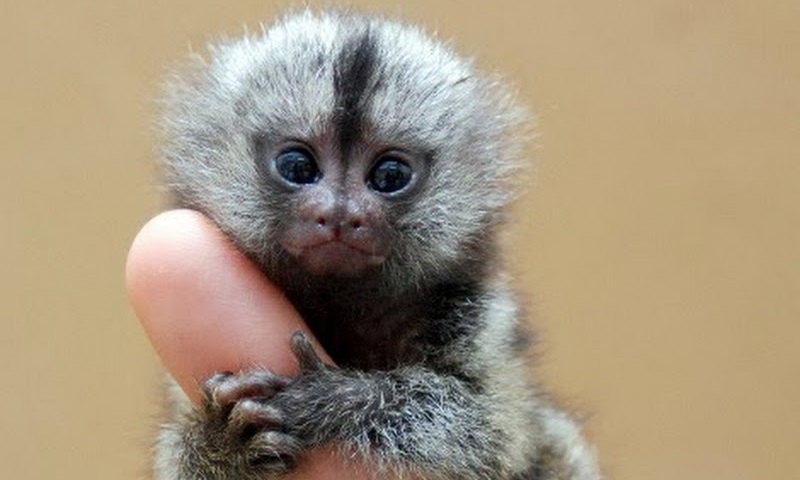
(345, 146)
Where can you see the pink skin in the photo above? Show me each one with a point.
(206, 309)
(329, 238)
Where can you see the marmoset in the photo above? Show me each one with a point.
(366, 169)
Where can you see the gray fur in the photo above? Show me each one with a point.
(432, 365)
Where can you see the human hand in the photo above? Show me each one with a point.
(206, 308)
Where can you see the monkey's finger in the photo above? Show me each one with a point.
(270, 446)
(224, 389)
(306, 355)
(253, 415)
(210, 385)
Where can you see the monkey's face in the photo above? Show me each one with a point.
(328, 147)
(337, 213)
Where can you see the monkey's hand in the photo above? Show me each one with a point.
(236, 433)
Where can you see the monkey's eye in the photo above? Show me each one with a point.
(389, 175)
(297, 165)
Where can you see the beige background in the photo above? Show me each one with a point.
(660, 247)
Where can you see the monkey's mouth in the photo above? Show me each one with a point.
(335, 258)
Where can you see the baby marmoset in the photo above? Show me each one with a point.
(365, 168)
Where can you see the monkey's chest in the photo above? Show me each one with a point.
(370, 342)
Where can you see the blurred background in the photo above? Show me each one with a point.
(659, 244)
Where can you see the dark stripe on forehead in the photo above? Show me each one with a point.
(354, 69)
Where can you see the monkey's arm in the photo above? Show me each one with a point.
(408, 420)
(469, 414)
(411, 420)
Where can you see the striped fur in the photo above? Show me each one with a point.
(432, 377)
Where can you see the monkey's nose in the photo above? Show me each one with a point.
(341, 224)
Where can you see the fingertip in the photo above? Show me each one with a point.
(160, 254)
